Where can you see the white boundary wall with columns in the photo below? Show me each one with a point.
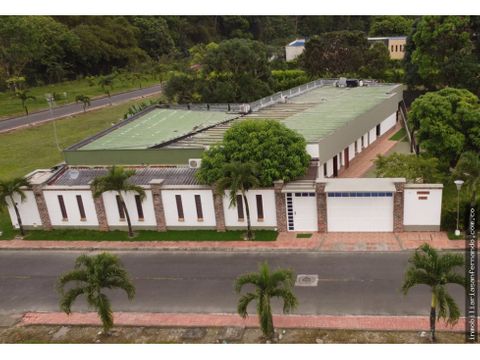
(28, 210)
(190, 218)
(71, 206)
(269, 213)
(423, 207)
(113, 216)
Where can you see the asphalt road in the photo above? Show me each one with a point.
(66, 110)
(357, 283)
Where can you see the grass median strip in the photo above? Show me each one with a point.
(147, 235)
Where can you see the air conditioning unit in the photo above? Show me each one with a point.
(194, 163)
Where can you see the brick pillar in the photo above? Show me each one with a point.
(280, 206)
(398, 201)
(219, 213)
(101, 213)
(321, 206)
(42, 207)
(156, 186)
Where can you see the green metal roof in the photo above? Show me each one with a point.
(155, 127)
(332, 108)
(314, 114)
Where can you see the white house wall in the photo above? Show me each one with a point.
(189, 208)
(313, 150)
(388, 123)
(113, 217)
(269, 212)
(28, 210)
(71, 206)
(373, 135)
(422, 210)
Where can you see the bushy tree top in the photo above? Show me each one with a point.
(447, 123)
(279, 152)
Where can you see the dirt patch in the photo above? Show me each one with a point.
(39, 334)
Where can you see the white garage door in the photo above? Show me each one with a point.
(360, 211)
(302, 211)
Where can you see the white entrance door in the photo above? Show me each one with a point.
(302, 211)
(360, 211)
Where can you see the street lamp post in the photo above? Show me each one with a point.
(459, 184)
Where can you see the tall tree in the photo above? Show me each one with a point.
(117, 181)
(444, 52)
(268, 285)
(9, 189)
(390, 26)
(277, 150)
(90, 276)
(239, 178)
(412, 167)
(154, 36)
(335, 53)
(429, 268)
(24, 96)
(446, 123)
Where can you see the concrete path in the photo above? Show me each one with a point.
(398, 323)
(322, 242)
(360, 165)
(72, 109)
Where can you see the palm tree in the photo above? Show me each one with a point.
(24, 97)
(8, 189)
(106, 83)
(429, 268)
(90, 275)
(238, 178)
(268, 285)
(83, 99)
(116, 180)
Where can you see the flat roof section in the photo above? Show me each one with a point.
(157, 126)
(334, 108)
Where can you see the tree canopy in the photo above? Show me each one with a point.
(443, 52)
(391, 26)
(412, 167)
(277, 150)
(447, 123)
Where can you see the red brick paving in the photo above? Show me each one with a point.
(363, 161)
(354, 241)
(216, 320)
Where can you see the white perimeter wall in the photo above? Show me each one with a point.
(388, 123)
(422, 212)
(28, 210)
(113, 217)
(189, 208)
(269, 212)
(71, 206)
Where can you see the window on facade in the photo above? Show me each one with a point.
(198, 205)
(396, 48)
(178, 200)
(138, 202)
(259, 207)
(392, 48)
(81, 209)
(362, 142)
(62, 207)
(325, 169)
(241, 217)
(121, 212)
(378, 130)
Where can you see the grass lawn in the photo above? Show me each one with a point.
(10, 105)
(6, 226)
(148, 235)
(33, 148)
(400, 135)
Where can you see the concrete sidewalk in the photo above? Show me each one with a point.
(323, 242)
(399, 323)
